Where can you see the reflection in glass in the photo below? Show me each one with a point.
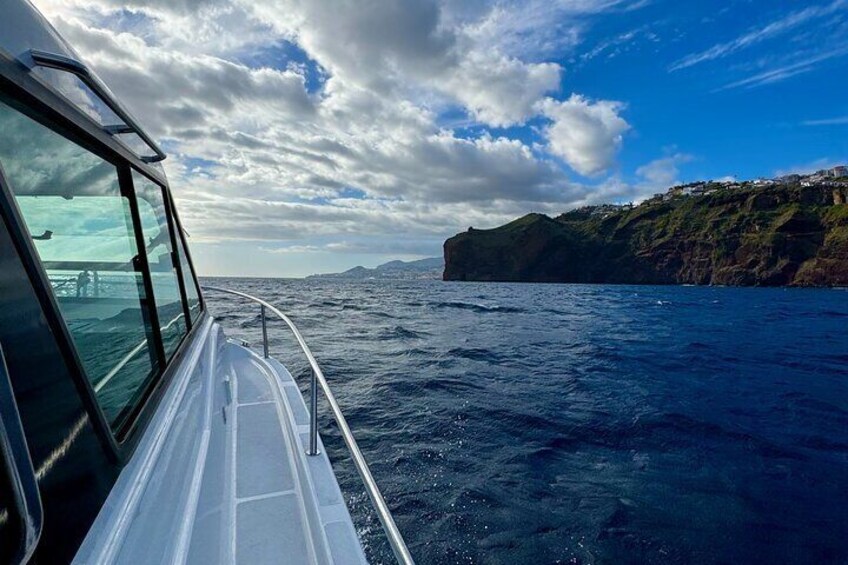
(192, 297)
(79, 94)
(81, 225)
(10, 520)
(157, 241)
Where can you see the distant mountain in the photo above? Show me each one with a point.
(422, 269)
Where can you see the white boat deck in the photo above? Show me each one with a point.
(222, 474)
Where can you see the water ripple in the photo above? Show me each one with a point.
(511, 423)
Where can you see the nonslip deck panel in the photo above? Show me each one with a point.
(253, 385)
(262, 464)
(260, 539)
(228, 478)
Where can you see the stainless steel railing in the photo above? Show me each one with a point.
(395, 539)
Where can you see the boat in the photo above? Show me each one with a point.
(132, 429)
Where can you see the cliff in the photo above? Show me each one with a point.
(757, 236)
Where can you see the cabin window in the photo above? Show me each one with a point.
(81, 222)
(192, 295)
(157, 241)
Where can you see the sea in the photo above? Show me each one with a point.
(546, 423)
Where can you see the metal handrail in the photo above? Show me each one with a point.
(395, 539)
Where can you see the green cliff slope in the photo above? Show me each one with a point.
(769, 236)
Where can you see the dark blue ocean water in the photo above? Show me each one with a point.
(511, 423)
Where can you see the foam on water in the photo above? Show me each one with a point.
(511, 423)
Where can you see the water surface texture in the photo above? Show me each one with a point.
(511, 423)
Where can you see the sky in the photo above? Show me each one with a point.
(307, 137)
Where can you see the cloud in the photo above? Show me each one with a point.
(346, 140)
(614, 46)
(759, 35)
(810, 167)
(838, 121)
(804, 65)
(586, 134)
(421, 247)
(537, 29)
(261, 127)
(397, 45)
(500, 91)
(662, 173)
(655, 176)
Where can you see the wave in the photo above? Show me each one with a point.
(475, 354)
(381, 315)
(531, 433)
(400, 332)
(442, 384)
(831, 314)
(664, 433)
(480, 308)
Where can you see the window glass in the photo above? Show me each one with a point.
(81, 225)
(157, 241)
(192, 297)
(78, 93)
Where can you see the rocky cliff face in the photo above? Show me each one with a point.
(771, 236)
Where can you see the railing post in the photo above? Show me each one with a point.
(264, 333)
(313, 415)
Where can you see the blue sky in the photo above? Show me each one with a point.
(314, 136)
(755, 128)
(773, 104)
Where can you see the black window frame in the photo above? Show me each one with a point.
(172, 229)
(183, 236)
(32, 99)
(177, 231)
(192, 271)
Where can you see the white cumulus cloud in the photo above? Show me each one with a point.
(586, 134)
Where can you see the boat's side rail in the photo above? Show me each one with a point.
(395, 539)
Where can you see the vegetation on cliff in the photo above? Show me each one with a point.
(772, 235)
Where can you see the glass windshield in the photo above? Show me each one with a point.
(81, 224)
